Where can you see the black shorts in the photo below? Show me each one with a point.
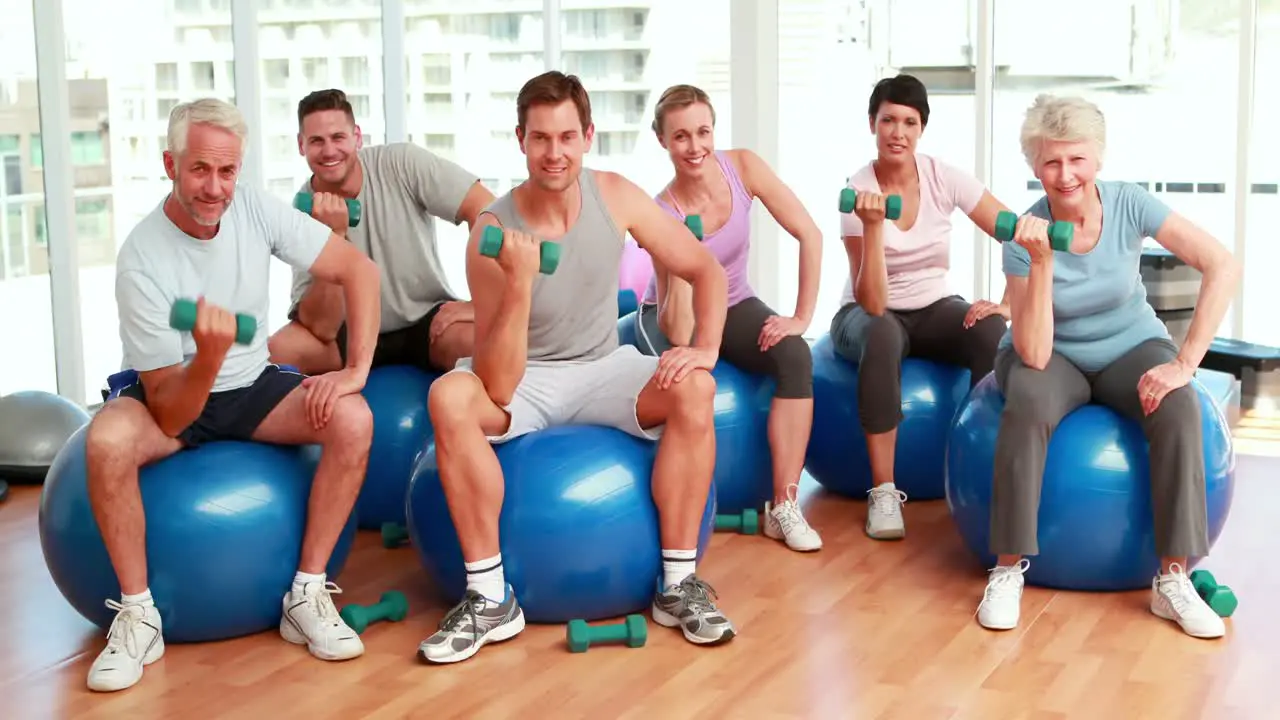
(407, 346)
(228, 415)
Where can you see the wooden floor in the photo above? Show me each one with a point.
(859, 630)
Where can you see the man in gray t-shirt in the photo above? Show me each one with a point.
(401, 188)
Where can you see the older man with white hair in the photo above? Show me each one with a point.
(211, 241)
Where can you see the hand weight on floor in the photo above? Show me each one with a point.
(393, 606)
(581, 636)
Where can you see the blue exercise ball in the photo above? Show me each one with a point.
(1096, 530)
(397, 396)
(837, 453)
(578, 529)
(224, 534)
(744, 460)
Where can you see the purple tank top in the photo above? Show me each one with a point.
(730, 244)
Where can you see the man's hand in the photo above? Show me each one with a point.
(323, 392)
(449, 313)
(214, 332)
(520, 256)
(331, 210)
(778, 327)
(982, 309)
(676, 364)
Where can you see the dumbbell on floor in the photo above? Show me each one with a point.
(1220, 598)
(582, 636)
(393, 606)
(303, 201)
(491, 244)
(1060, 233)
(393, 534)
(747, 522)
(892, 203)
(182, 316)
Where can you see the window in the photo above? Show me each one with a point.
(26, 312)
(817, 101)
(1164, 76)
(1261, 291)
(131, 183)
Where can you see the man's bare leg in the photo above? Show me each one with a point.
(456, 342)
(295, 345)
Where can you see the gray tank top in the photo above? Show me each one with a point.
(574, 311)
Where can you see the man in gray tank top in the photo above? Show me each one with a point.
(547, 354)
(401, 189)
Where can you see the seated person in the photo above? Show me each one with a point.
(547, 354)
(896, 302)
(1083, 332)
(756, 339)
(400, 187)
(213, 241)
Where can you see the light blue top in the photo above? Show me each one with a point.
(1100, 309)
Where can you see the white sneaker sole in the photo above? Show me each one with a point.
(666, 619)
(97, 685)
(893, 533)
(1159, 612)
(502, 632)
(292, 634)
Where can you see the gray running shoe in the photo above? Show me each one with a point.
(690, 606)
(471, 624)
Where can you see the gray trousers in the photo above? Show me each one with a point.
(1037, 400)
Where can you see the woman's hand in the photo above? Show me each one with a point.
(778, 327)
(983, 309)
(1032, 233)
(1162, 380)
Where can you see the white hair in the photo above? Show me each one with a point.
(1065, 119)
(206, 111)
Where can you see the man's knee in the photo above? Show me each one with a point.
(451, 400)
(793, 367)
(693, 400)
(115, 432)
(351, 425)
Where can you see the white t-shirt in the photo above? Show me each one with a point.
(159, 264)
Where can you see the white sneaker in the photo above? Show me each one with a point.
(1173, 597)
(786, 521)
(884, 512)
(133, 642)
(311, 619)
(1001, 604)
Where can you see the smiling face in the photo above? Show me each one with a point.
(204, 174)
(897, 129)
(688, 134)
(329, 140)
(1067, 169)
(553, 141)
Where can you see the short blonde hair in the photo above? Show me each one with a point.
(677, 97)
(205, 111)
(1066, 119)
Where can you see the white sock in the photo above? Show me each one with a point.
(143, 598)
(888, 486)
(677, 565)
(301, 580)
(485, 577)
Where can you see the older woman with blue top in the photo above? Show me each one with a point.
(1083, 332)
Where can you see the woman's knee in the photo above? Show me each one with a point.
(793, 368)
(1179, 412)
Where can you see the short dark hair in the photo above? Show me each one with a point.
(900, 90)
(322, 100)
(553, 88)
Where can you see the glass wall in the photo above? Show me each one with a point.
(27, 360)
(1262, 253)
(1165, 74)
(831, 55)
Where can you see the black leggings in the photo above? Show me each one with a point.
(788, 362)
(879, 343)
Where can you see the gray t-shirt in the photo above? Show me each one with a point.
(404, 186)
(159, 264)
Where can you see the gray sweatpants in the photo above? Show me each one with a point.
(1036, 401)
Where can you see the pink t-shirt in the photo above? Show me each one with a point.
(917, 260)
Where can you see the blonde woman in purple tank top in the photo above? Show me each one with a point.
(720, 187)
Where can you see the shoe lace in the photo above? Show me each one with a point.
(468, 609)
(320, 600)
(1003, 583)
(123, 635)
(1178, 590)
(699, 596)
(885, 500)
(789, 516)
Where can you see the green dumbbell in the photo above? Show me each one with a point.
(747, 522)
(892, 204)
(393, 534)
(1219, 598)
(694, 223)
(1060, 233)
(183, 317)
(582, 636)
(491, 244)
(302, 201)
(393, 606)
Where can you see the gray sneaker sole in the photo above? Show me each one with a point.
(666, 619)
(505, 631)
